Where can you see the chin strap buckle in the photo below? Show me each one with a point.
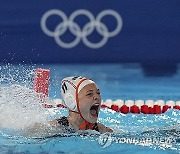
(86, 125)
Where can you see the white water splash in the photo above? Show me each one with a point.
(20, 107)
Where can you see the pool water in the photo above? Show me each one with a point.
(133, 133)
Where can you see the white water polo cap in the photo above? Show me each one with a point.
(70, 87)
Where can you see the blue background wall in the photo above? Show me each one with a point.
(150, 32)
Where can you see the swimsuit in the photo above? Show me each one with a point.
(64, 121)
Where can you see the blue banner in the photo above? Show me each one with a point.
(76, 31)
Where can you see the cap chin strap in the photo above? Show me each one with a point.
(85, 124)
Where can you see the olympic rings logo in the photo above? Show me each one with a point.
(85, 31)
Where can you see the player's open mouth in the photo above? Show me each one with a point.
(94, 110)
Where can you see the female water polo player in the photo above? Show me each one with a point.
(83, 99)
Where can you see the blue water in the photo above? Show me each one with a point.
(116, 81)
